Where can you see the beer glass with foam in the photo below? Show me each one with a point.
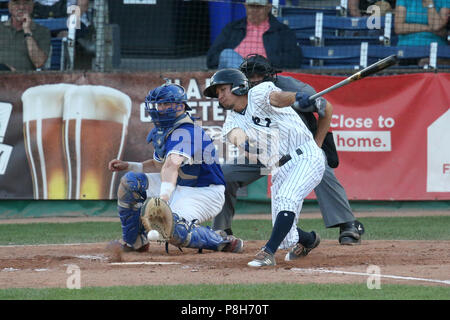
(42, 129)
(95, 129)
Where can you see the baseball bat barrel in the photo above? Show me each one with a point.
(372, 69)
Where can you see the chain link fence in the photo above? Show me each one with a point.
(191, 35)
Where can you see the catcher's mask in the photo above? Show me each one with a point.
(238, 81)
(173, 94)
(255, 64)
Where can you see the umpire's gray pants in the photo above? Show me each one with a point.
(331, 196)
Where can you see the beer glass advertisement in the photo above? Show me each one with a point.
(59, 131)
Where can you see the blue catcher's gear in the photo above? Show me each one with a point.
(157, 215)
(167, 93)
(192, 235)
(158, 135)
(131, 195)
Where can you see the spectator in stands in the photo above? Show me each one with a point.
(84, 50)
(85, 43)
(24, 45)
(421, 22)
(259, 32)
(358, 8)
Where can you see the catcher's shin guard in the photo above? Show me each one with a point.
(192, 235)
(131, 194)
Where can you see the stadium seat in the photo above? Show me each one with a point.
(353, 30)
(342, 57)
(308, 28)
(56, 58)
(324, 30)
(293, 11)
(54, 24)
(411, 52)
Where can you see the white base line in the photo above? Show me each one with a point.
(321, 270)
(140, 263)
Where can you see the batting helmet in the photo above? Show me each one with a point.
(255, 64)
(238, 81)
(167, 93)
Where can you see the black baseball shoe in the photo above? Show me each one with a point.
(350, 233)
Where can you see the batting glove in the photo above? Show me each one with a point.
(303, 104)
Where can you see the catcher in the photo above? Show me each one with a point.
(181, 187)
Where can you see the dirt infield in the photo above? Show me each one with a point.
(399, 262)
(47, 265)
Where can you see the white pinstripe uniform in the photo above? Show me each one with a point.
(278, 132)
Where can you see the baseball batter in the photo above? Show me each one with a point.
(331, 195)
(262, 118)
(184, 172)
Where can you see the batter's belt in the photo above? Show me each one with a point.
(287, 157)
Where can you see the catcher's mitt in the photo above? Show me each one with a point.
(157, 215)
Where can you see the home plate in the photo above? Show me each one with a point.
(141, 263)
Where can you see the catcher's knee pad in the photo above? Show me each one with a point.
(133, 232)
(131, 194)
(192, 235)
(132, 190)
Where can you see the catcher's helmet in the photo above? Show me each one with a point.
(167, 93)
(255, 64)
(238, 81)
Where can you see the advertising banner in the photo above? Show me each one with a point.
(59, 131)
(392, 134)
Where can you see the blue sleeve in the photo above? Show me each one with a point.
(182, 141)
(401, 3)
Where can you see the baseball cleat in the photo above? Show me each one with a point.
(262, 259)
(236, 245)
(348, 241)
(299, 250)
(360, 227)
(350, 233)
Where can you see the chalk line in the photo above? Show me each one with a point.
(141, 263)
(322, 270)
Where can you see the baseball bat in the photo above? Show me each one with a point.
(373, 68)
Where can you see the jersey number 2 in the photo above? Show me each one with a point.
(257, 121)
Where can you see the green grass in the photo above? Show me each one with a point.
(384, 228)
(280, 291)
(377, 228)
(45, 233)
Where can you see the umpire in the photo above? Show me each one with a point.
(331, 196)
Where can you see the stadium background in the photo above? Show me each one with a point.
(399, 185)
(139, 44)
